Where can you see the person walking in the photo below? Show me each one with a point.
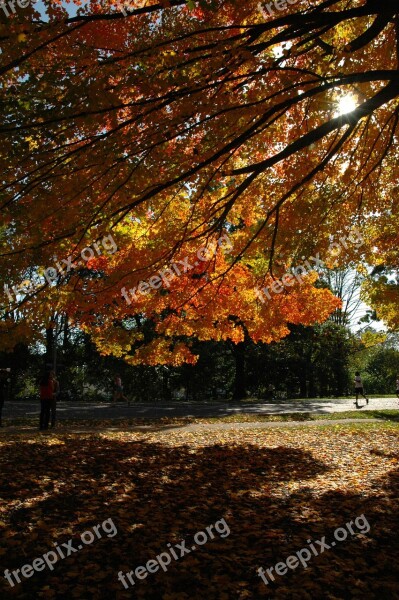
(397, 385)
(270, 392)
(53, 408)
(46, 399)
(359, 389)
(4, 381)
(118, 389)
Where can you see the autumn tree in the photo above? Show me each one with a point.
(345, 283)
(382, 290)
(178, 124)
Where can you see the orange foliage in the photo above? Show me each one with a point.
(170, 127)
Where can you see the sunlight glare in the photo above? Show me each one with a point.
(346, 104)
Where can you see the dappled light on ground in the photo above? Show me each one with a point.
(275, 488)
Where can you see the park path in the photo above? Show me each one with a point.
(156, 410)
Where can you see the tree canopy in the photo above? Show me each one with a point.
(179, 124)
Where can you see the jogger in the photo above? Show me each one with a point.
(359, 389)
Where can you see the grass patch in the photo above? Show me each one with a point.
(390, 415)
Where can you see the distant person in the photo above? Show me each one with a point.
(397, 385)
(46, 398)
(53, 408)
(118, 389)
(270, 392)
(4, 381)
(359, 389)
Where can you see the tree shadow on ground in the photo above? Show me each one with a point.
(387, 415)
(74, 426)
(158, 494)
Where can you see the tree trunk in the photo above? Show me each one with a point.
(239, 385)
(49, 345)
(302, 384)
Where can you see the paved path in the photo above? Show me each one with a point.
(86, 410)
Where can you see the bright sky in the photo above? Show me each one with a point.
(69, 6)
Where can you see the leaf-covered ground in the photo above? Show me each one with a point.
(276, 488)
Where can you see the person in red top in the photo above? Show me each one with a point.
(46, 399)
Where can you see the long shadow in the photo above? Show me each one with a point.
(157, 495)
(74, 426)
(392, 415)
